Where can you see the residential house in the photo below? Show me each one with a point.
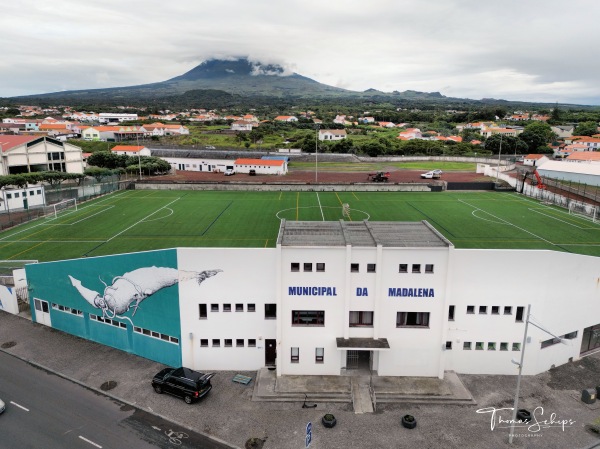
(410, 133)
(131, 150)
(563, 131)
(286, 118)
(591, 157)
(512, 132)
(332, 134)
(535, 160)
(241, 125)
(387, 125)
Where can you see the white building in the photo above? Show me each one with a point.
(109, 117)
(13, 199)
(332, 134)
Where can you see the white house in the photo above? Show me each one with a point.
(535, 160)
(261, 166)
(13, 199)
(241, 125)
(131, 150)
(332, 134)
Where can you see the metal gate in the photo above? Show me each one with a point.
(352, 360)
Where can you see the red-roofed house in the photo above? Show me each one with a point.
(410, 133)
(535, 160)
(131, 150)
(285, 118)
(592, 157)
(25, 154)
(261, 166)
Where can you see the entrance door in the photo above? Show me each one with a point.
(42, 312)
(358, 360)
(270, 352)
(25, 204)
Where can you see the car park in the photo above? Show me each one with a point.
(183, 382)
(229, 172)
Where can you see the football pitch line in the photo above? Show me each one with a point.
(319, 201)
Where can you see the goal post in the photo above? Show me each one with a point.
(53, 210)
(584, 210)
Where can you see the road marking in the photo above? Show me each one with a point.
(89, 441)
(156, 428)
(20, 406)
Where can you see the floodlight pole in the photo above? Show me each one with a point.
(316, 155)
(499, 153)
(140, 163)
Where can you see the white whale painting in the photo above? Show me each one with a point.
(129, 290)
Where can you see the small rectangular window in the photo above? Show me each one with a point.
(8, 196)
(216, 342)
(295, 266)
(412, 319)
(320, 267)
(450, 313)
(519, 315)
(214, 307)
(491, 346)
(239, 307)
(483, 310)
(319, 355)
(467, 345)
(252, 342)
(416, 268)
(228, 342)
(239, 343)
(504, 346)
(479, 346)
(429, 268)
(371, 268)
(403, 268)
(270, 311)
(204, 342)
(495, 310)
(251, 307)
(307, 266)
(226, 307)
(570, 335)
(507, 310)
(470, 309)
(448, 345)
(295, 355)
(516, 346)
(361, 318)
(353, 268)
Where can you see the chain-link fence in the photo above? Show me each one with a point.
(559, 192)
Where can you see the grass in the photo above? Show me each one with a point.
(130, 221)
(373, 166)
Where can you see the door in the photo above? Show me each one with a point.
(25, 204)
(270, 352)
(42, 312)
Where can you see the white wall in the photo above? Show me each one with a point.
(199, 164)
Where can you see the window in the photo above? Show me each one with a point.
(202, 310)
(412, 319)
(251, 308)
(353, 268)
(252, 342)
(479, 346)
(216, 342)
(308, 317)
(214, 307)
(467, 345)
(226, 307)
(416, 268)
(16, 194)
(320, 267)
(204, 342)
(371, 268)
(519, 315)
(448, 345)
(31, 193)
(239, 343)
(508, 310)
(503, 346)
(429, 268)
(570, 335)
(361, 319)
(228, 342)
(403, 268)
(495, 310)
(491, 346)
(550, 342)
(8, 196)
(295, 355)
(270, 311)
(319, 355)
(307, 266)
(450, 313)
(470, 309)
(483, 310)
(516, 346)
(295, 266)
(239, 307)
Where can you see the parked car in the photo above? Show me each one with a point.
(229, 172)
(432, 174)
(252, 172)
(210, 147)
(2, 406)
(183, 382)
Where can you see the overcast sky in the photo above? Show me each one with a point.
(543, 51)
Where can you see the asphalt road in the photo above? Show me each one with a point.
(47, 411)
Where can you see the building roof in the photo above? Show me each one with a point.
(8, 142)
(535, 156)
(554, 168)
(332, 131)
(128, 148)
(259, 162)
(360, 233)
(584, 156)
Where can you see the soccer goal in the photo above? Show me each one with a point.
(53, 210)
(584, 210)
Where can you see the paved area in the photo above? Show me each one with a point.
(229, 412)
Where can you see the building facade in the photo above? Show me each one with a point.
(397, 298)
(25, 154)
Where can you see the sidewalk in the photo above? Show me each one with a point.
(271, 408)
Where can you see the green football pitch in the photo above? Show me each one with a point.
(130, 221)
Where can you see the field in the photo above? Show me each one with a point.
(129, 221)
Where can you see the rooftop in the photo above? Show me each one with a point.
(364, 233)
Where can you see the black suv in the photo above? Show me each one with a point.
(183, 382)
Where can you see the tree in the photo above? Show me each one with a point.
(536, 135)
(510, 144)
(586, 129)
(98, 173)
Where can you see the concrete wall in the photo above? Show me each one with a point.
(287, 187)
